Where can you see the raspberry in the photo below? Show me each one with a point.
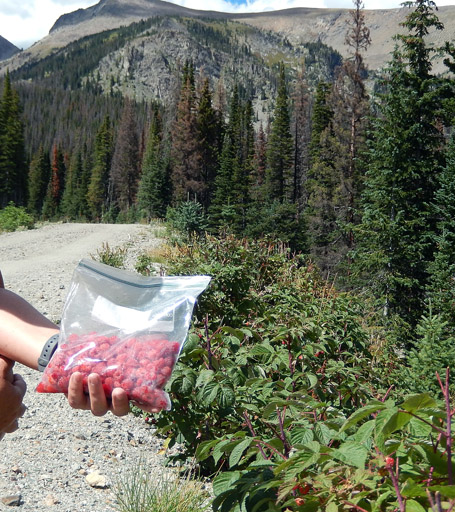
(141, 366)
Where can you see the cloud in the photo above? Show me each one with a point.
(13, 8)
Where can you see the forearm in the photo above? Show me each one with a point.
(23, 329)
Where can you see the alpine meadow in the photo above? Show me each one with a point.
(317, 191)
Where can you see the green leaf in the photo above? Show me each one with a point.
(237, 452)
(413, 490)
(224, 481)
(416, 402)
(322, 433)
(301, 435)
(448, 491)
(365, 432)
(414, 506)
(204, 377)
(370, 408)
(351, 453)
(312, 379)
(218, 451)
(204, 449)
(331, 507)
(226, 396)
(396, 422)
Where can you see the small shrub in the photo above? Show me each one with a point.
(13, 217)
(112, 257)
(143, 491)
(188, 218)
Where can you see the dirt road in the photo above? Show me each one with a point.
(38, 264)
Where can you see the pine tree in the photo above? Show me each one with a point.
(186, 177)
(153, 194)
(208, 124)
(13, 170)
(97, 187)
(279, 172)
(124, 172)
(39, 175)
(321, 116)
(396, 236)
(51, 206)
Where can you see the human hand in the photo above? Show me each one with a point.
(12, 391)
(96, 400)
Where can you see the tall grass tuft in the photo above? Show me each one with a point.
(142, 491)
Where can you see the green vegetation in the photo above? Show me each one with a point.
(315, 377)
(13, 218)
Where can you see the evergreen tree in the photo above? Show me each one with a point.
(124, 172)
(396, 236)
(259, 167)
(153, 194)
(186, 176)
(97, 187)
(39, 175)
(51, 206)
(13, 170)
(208, 124)
(279, 172)
(321, 116)
(441, 289)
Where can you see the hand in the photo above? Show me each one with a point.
(12, 391)
(96, 401)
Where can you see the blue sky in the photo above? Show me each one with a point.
(24, 22)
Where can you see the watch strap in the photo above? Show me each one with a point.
(48, 351)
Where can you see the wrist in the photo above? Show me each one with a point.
(48, 351)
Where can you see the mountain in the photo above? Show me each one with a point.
(7, 49)
(298, 25)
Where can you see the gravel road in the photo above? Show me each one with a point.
(45, 463)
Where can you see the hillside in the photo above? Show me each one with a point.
(7, 49)
(298, 25)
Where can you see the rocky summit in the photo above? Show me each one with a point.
(297, 25)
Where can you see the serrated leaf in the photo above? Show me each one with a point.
(218, 451)
(224, 481)
(412, 490)
(204, 377)
(238, 450)
(370, 408)
(416, 402)
(312, 379)
(301, 435)
(352, 453)
(204, 449)
(322, 433)
(365, 432)
(226, 396)
(396, 422)
(331, 507)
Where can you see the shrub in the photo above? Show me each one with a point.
(188, 218)
(109, 256)
(14, 217)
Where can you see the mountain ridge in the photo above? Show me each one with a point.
(7, 49)
(299, 25)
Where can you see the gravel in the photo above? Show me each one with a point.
(44, 465)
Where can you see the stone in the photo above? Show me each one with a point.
(95, 479)
(12, 501)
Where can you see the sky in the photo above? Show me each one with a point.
(23, 22)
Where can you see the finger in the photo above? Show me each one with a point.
(76, 396)
(120, 403)
(6, 368)
(146, 408)
(98, 401)
(20, 384)
(12, 427)
(2, 284)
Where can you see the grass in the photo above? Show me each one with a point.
(139, 490)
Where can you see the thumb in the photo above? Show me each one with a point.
(6, 369)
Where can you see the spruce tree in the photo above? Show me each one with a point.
(13, 170)
(279, 172)
(97, 187)
(51, 206)
(397, 233)
(153, 194)
(124, 172)
(186, 176)
(39, 175)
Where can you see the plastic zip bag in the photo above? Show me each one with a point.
(128, 328)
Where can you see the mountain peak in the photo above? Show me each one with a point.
(7, 49)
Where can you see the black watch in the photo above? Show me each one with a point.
(47, 352)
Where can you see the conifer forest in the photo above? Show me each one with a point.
(329, 190)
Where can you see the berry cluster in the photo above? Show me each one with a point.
(141, 366)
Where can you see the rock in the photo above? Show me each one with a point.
(94, 479)
(51, 500)
(12, 501)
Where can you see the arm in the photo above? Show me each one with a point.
(23, 333)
